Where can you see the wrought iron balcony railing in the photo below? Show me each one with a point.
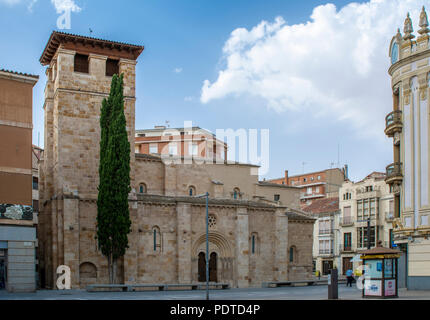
(326, 251)
(325, 231)
(393, 123)
(389, 216)
(394, 173)
(346, 221)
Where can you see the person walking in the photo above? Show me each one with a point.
(349, 277)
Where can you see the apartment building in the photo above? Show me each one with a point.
(17, 231)
(360, 201)
(188, 142)
(36, 156)
(408, 125)
(315, 185)
(326, 233)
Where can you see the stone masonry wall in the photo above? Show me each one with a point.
(300, 236)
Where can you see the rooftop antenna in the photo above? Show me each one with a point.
(303, 164)
(167, 123)
(91, 31)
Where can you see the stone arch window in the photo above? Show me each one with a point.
(191, 191)
(156, 239)
(255, 243)
(87, 270)
(293, 254)
(236, 194)
(142, 188)
(212, 221)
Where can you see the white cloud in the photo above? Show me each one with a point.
(60, 5)
(10, 2)
(29, 3)
(65, 5)
(177, 70)
(334, 65)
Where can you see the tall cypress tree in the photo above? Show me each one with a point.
(113, 217)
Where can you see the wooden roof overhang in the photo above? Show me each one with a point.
(86, 45)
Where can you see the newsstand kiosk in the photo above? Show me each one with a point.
(380, 273)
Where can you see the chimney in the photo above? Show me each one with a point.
(345, 172)
(286, 177)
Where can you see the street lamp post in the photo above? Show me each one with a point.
(207, 246)
(368, 234)
(206, 195)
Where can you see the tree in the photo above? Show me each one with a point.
(113, 216)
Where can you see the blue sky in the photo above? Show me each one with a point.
(315, 74)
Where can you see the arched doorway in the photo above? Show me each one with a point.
(221, 260)
(202, 267)
(213, 261)
(213, 267)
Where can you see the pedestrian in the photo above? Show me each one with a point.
(349, 277)
(318, 274)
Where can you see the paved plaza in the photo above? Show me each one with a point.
(285, 293)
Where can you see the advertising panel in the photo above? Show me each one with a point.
(373, 288)
(390, 288)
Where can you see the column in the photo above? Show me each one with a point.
(242, 248)
(183, 236)
(281, 245)
(131, 255)
(70, 239)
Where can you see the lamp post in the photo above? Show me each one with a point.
(368, 234)
(206, 195)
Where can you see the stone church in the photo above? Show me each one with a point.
(256, 232)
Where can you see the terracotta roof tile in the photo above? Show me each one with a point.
(57, 38)
(325, 205)
(20, 73)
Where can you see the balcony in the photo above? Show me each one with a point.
(323, 232)
(347, 221)
(393, 123)
(389, 216)
(347, 249)
(394, 173)
(326, 251)
(307, 196)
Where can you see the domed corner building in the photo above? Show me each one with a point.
(408, 175)
(253, 224)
